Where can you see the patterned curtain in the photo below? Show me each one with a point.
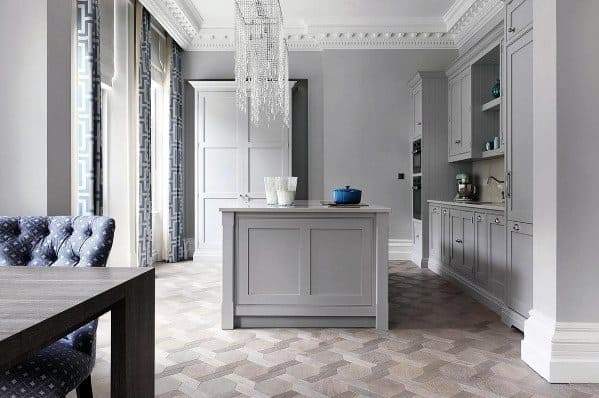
(144, 224)
(176, 244)
(89, 109)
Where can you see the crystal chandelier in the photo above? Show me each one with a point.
(261, 63)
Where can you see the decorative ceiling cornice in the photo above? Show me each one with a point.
(475, 15)
(180, 18)
(223, 40)
(462, 21)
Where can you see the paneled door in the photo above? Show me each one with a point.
(231, 160)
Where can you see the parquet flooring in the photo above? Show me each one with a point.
(442, 344)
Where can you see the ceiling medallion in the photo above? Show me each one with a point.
(261, 60)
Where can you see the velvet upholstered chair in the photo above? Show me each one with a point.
(59, 242)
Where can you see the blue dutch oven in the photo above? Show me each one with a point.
(347, 196)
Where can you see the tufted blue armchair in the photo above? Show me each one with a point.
(83, 241)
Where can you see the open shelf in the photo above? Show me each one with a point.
(492, 105)
(495, 153)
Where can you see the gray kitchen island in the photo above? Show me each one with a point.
(309, 265)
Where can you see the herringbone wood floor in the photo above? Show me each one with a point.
(442, 344)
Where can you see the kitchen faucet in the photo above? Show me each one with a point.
(499, 184)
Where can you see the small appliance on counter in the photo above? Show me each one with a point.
(465, 188)
(347, 196)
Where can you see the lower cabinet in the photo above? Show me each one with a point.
(435, 235)
(462, 242)
(487, 254)
(519, 267)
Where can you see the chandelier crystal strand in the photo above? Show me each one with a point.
(261, 61)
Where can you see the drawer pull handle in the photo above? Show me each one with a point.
(497, 221)
(459, 241)
(511, 29)
(516, 227)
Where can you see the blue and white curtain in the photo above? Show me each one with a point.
(89, 109)
(144, 223)
(176, 242)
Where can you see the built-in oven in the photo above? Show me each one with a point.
(416, 198)
(417, 157)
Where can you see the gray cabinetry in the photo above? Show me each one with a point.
(519, 129)
(445, 236)
(496, 235)
(481, 262)
(462, 241)
(460, 109)
(417, 112)
(435, 233)
(305, 261)
(518, 18)
(519, 266)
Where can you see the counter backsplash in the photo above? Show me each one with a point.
(481, 171)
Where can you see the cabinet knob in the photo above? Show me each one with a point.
(458, 141)
(419, 124)
(444, 211)
(511, 29)
(497, 221)
(516, 227)
(459, 241)
(478, 218)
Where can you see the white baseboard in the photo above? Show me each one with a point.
(561, 352)
(400, 249)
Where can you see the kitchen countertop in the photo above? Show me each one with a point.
(301, 206)
(472, 205)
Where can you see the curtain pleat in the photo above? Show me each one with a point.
(144, 224)
(89, 110)
(176, 243)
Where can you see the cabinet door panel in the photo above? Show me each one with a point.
(481, 263)
(435, 233)
(417, 115)
(466, 93)
(497, 255)
(519, 127)
(520, 262)
(455, 117)
(462, 242)
(519, 17)
(445, 237)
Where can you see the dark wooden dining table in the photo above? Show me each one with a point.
(39, 305)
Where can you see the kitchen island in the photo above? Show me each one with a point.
(309, 265)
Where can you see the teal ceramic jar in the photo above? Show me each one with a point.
(496, 90)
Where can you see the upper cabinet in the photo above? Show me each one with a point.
(417, 112)
(518, 18)
(474, 112)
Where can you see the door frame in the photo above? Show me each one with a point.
(214, 254)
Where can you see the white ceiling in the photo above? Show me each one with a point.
(296, 13)
(327, 24)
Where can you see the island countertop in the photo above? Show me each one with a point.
(301, 206)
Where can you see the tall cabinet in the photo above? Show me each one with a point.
(519, 155)
(429, 127)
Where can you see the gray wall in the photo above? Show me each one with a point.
(23, 107)
(359, 115)
(35, 136)
(577, 133)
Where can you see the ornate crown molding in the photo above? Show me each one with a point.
(180, 18)
(475, 14)
(458, 25)
(223, 40)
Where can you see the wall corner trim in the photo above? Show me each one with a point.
(561, 352)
